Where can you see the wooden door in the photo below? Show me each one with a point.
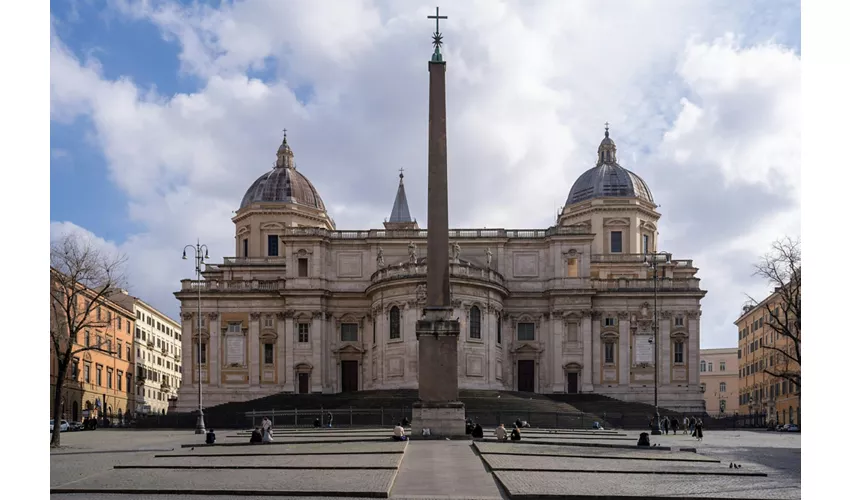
(349, 374)
(572, 383)
(525, 375)
(303, 383)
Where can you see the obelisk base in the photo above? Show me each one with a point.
(438, 408)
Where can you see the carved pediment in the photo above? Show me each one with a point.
(268, 334)
(572, 367)
(348, 349)
(527, 347)
(243, 230)
(616, 222)
(271, 225)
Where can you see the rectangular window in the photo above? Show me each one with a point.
(99, 375)
(498, 328)
(722, 386)
(268, 354)
(244, 247)
(88, 338)
(268, 321)
(679, 352)
(646, 244)
(302, 267)
(87, 373)
(374, 331)
(610, 321)
(609, 353)
(108, 345)
(109, 378)
(119, 379)
(75, 368)
(109, 316)
(203, 353)
(348, 332)
(234, 327)
(129, 382)
(303, 332)
(273, 239)
(572, 268)
(525, 331)
(572, 332)
(723, 366)
(119, 322)
(711, 367)
(739, 354)
(679, 321)
(616, 241)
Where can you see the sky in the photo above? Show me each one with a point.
(163, 113)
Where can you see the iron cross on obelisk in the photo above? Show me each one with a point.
(438, 17)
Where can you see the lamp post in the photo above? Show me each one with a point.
(201, 253)
(652, 260)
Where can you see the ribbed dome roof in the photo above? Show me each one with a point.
(284, 184)
(608, 179)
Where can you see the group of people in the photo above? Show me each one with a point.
(262, 434)
(692, 425)
(502, 433)
(329, 418)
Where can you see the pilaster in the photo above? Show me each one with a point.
(557, 351)
(624, 361)
(289, 326)
(317, 334)
(587, 352)
(693, 347)
(664, 339)
(254, 349)
(283, 345)
(596, 348)
(214, 351)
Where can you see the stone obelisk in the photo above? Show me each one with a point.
(438, 408)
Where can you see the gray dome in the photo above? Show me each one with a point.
(608, 179)
(284, 184)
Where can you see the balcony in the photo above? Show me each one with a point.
(233, 285)
(420, 270)
(647, 285)
(177, 358)
(254, 261)
(423, 233)
(634, 258)
(151, 343)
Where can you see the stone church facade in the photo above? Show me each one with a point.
(306, 308)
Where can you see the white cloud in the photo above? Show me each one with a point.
(530, 85)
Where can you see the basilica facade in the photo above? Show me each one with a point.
(305, 308)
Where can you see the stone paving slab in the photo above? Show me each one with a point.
(443, 469)
(97, 496)
(512, 449)
(572, 437)
(281, 461)
(539, 485)
(295, 435)
(572, 464)
(578, 442)
(282, 448)
(281, 440)
(358, 483)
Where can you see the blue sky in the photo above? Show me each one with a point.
(163, 113)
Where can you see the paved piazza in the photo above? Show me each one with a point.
(365, 463)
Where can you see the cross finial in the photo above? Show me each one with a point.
(437, 18)
(401, 173)
(606, 129)
(437, 38)
(284, 134)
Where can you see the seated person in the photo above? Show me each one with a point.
(518, 423)
(515, 435)
(470, 425)
(405, 422)
(501, 433)
(398, 433)
(211, 437)
(317, 423)
(256, 436)
(477, 432)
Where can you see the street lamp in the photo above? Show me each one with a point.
(652, 260)
(201, 253)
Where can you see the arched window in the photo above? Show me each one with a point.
(475, 323)
(395, 323)
(722, 386)
(702, 365)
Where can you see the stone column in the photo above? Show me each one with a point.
(596, 347)
(289, 326)
(190, 368)
(624, 360)
(215, 349)
(664, 340)
(254, 349)
(283, 346)
(587, 379)
(693, 347)
(317, 330)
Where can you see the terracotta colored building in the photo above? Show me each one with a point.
(99, 382)
(719, 380)
(761, 394)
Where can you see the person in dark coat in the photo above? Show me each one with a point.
(210, 437)
(330, 419)
(256, 436)
(317, 423)
(470, 426)
(698, 430)
(518, 423)
(675, 425)
(665, 422)
(515, 434)
(477, 432)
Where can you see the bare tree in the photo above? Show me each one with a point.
(82, 277)
(781, 267)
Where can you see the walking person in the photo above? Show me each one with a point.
(685, 425)
(698, 430)
(330, 420)
(267, 430)
(666, 424)
(675, 425)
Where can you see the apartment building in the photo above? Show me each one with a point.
(719, 380)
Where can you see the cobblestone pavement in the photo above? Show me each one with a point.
(566, 484)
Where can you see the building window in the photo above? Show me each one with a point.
(120, 350)
(203, 353)
(679, 352)
(108, 316)
(244, 247)
(572, 268)
(302, 267)
(268, 321)
(702, 365)
(525, 331)
(646, 244)
(120, 380)
(679, 321)
(348, 332)
(234, 328)
(498, 328)
(119, 322)
(268, 354)
(75, 368)
(610, 321)
(609, 352)
(109, 345)
(616, 241)
(88, 338)
(374, 331)
(474, 322)
(395, 323)
(723, 366)
(109, 378)
(273, 239)
(99, 375)
(87, 373)
(739, 354)
(722, 386)
(572, 331)
(711, 367)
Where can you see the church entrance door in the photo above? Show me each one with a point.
(525, 375)
(572, 383)
(303, 383)
(349, 371)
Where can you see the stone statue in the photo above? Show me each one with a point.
(489, 257)
(380, 257)
(411, 251)
(455, 251)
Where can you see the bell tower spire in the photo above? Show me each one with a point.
(400, 215)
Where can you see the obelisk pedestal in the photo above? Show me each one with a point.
(438, 408)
